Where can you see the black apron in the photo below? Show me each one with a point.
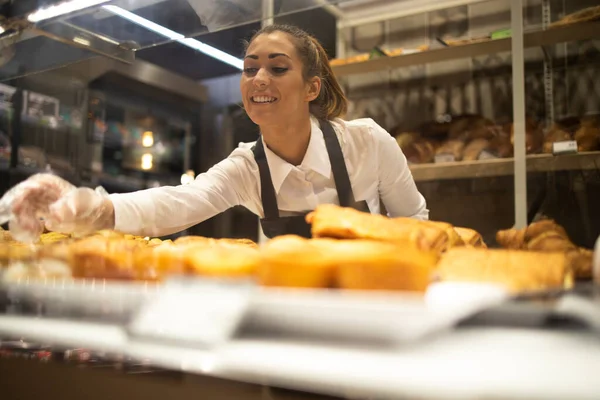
(274, 225)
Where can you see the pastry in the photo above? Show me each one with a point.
(534, 136)
(332, 221)
(516, 270)
(473, 150)
(104, 258)
(292, 261)
(470, 237)
(369, 265)
(555, 134)
(548, 236)
(223, 260)
(453, 148)
(588, 138)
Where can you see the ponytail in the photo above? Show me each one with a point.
(331, 102)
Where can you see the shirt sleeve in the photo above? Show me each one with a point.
(397, 187)
(170, 209)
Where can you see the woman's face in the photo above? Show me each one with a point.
(272, 85)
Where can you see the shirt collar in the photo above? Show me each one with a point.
(316, 158)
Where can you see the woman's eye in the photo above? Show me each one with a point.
(279, 70)
(250, 70)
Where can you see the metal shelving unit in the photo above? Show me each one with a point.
(353, 15)
(583, 31)
(505, 166)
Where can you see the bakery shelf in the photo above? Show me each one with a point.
(570, 33)
(505, 166)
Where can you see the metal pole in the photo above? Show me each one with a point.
(518, 72)
(267, 19)
(548, 69)
(267, 13)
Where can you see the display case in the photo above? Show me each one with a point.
(433, 71)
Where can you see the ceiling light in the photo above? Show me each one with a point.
(146, 161)
(161, 30)
(147, 139)
(81, 41)
(62, 9)
(213, 52)
(136, 19)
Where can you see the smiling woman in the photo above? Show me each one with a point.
(305, 156)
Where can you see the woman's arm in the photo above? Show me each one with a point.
(397, 187)
(166, 210)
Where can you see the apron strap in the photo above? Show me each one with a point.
(338, 165)
(267, 191)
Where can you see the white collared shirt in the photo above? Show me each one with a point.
(376, 166)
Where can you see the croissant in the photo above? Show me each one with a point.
(548, 236)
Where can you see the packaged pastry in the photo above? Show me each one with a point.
(518, 271)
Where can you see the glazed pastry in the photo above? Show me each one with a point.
(548, 236)
(292, 261)
(104, 258)
(332, 221)
(518, 271)
(369, 265)
(223, 260)
(454, 238)
(470, 237)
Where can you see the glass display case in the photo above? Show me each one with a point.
(493, 102)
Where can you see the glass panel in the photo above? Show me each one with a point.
(563, 99)
(452, 119)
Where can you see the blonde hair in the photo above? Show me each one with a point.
(331, 101)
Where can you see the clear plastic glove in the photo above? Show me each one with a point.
(49, 200)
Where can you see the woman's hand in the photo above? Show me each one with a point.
(49, 200)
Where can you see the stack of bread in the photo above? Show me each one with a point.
(349, 250)
(473, 137)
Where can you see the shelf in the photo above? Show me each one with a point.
(576, 32)
(505, 166)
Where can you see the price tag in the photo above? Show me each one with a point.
(564, 147)
(486, 155)
(199, 312)
(444, 158)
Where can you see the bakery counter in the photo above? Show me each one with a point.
(467, 363)
(505, 166)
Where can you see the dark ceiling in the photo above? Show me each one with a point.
(179, 16)
(193, 64)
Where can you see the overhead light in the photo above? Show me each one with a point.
(188, 177)
(147, 139)
(81, 41)
(62, 9)
(136, 19)
(213, 52)
(1, 30)
(161, 30)
(147, 161)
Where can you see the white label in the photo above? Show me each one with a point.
(565, 147)
(203, 312)
(486, 155)
(444, 158)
